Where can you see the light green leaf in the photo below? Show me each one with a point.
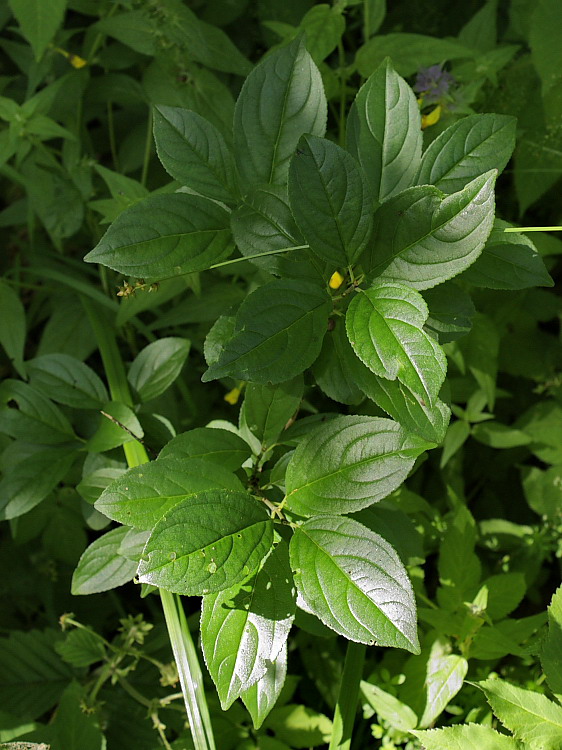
(543, 491)
(422, 238)
(165, 235)
(388, 707)
(505, 592)
(111, 434)
(323, 26)
(75, 728)
(353, 581)
(551, 652)
(81, 648)
(267, 408)
(401, 404)
(33, 674)
(194, 153)
(156, 367)
(532, 717)
(229, 535)
(26, 484)
(26, 412)
(468, 148)
(12, 326)
(444, 679)
(299, 726)
(244, 627)
(508, 261)
(101, 568)
(144, 494)
(384, 132)
(278, 333)
(262, 696)
(458, 433)
(498, 435)
(385, 328)
(38, 21)
(459, 567)
(330, 201)
(350, 463)
(67, 380)
(465, 737)
(408, 52)
(212, 444)
(281, 99)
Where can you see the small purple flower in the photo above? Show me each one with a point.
(433, 83)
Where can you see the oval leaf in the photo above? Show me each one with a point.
(330, 200)
(350, 463)
(67, 380)
(165, 235)
(156, 367)
(229, 535)
(212, 444)
(385, 328)
(101, 567)
(354, 581)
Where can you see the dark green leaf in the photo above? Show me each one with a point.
(212, 444)
(165, 235)
(422, 238)
(353, 581)
(299, 727)
(465, 150)
(450, 312)
(26, 413)
(75, 728)
(38, 21)
(281, 99)
(384, 132)
(12, 326)
(244, 628)
(267, 408)
(156, 367)
(67, 380)
(350, 463)
(194, 152)
(144, 494)
(229, 535)
(278, 333)
(101, 568)
(332, 369)
(330, 200)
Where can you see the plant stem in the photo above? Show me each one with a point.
(180, 638)
(147, 149)
(346, 707)
(533, 229)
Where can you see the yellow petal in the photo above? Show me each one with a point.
(336, 280)
(233, 396)
(431, 118)
(76, 61)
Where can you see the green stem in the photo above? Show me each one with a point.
(346, 707)
(533, 229)
(111, 131)
(147, 149)
(180, 638)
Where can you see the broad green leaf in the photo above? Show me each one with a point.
(388, 707)
(384, 132)
(350, 463)
(156, 367)
(75, 728)
(332, 370)
(281, 99)
(450, 312)
(408, 52)
(212, 444)
(25, 413)
(101, 568)
(244, 627)
(67, 380)
(330, 200)
(33, 674)
(323, 26)
(165, 235)
(385, 328)
(93, 483)
(353, 581)
(262, 696)
(423, 238)
(465, 737)
(278, 333)
(25, 485)
(299, 726)
(144, 494)
(444, 678)
(551, 652)
(194, 153)
(396, 527)
(229, 535)
(505, 592)
(263, 223)
(401, 404)
(267, 408)
(468, 148)
(12, 326)
(81, 648)
(118, 424)
(459, 567)
(543, 491)
(38, 21)
(508, 261)
(531, 716)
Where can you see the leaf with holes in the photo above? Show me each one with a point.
(354, 581)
